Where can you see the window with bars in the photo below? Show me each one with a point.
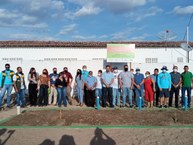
(151, 60)
(60, 59)
(180, 59)
(12, 59)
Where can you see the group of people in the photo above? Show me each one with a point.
(109, 85)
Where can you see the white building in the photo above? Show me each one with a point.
(42, 54)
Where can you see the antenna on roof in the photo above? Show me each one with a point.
(166, 36)
(186, 46)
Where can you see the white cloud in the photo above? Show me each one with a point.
(114, 6)
(139, 15)
(183, 10)
(125, 34)
(87, 10)
(24, 36)
(68, 29)
(139, 38)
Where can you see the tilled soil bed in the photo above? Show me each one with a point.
(114, 117)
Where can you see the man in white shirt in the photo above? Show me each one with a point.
(115, 85)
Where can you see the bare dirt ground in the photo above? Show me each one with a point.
(111, 117)
(63, 136)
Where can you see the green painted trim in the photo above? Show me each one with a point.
(91, 127)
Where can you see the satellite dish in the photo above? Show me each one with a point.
(186, 47)
(167, 35)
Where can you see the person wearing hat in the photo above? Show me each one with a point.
(139, 86)
(164, 83)
(6, 84)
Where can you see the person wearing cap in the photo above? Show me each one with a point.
(164, 83)
(176, 82)
(6, 84)
(139, 86)
(115, 85)
(187, 85)
(126, 85)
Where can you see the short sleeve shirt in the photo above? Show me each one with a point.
(175, 77)
(126, 78)
(186, 79)
(138, 78)
(107, 77)
(90, 81)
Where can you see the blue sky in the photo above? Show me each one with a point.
(94, 20)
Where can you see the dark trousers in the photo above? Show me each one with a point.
(43, 97)
(85, 96)
(157, 97)
(107, 93)
(90, 98)
(172, 92)
(32, 89)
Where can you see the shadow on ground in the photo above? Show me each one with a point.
(100, 138)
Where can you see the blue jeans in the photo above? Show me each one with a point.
(139, 93)
(98, 92)
(62, 96)
(5, 88)
(21, 97)
(116, 96)
(188, 89)
(80, 92)
(127, 92)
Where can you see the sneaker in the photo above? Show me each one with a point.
(131, 106)
(160, 106)
(165, 106)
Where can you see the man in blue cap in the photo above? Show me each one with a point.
(139, 87)
(164, 83)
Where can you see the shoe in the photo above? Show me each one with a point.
(131, 106)
(160, 106)
(70, 102)
(112, 106)
(165, 106)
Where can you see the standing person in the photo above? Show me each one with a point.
(79, 83)
(164, 83)
(60, 85)
(33, 78)
(43, 85)
(98, 91)
(107, 81)
(85, 74)
(149, 86)
(176, 82)
(156, 93)
(19, 85)
(91, 83)
(139, 87)
(126, 84)
(116, 89)
(69, 83)
(53, 91)
(187, 85)
(6, 84)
